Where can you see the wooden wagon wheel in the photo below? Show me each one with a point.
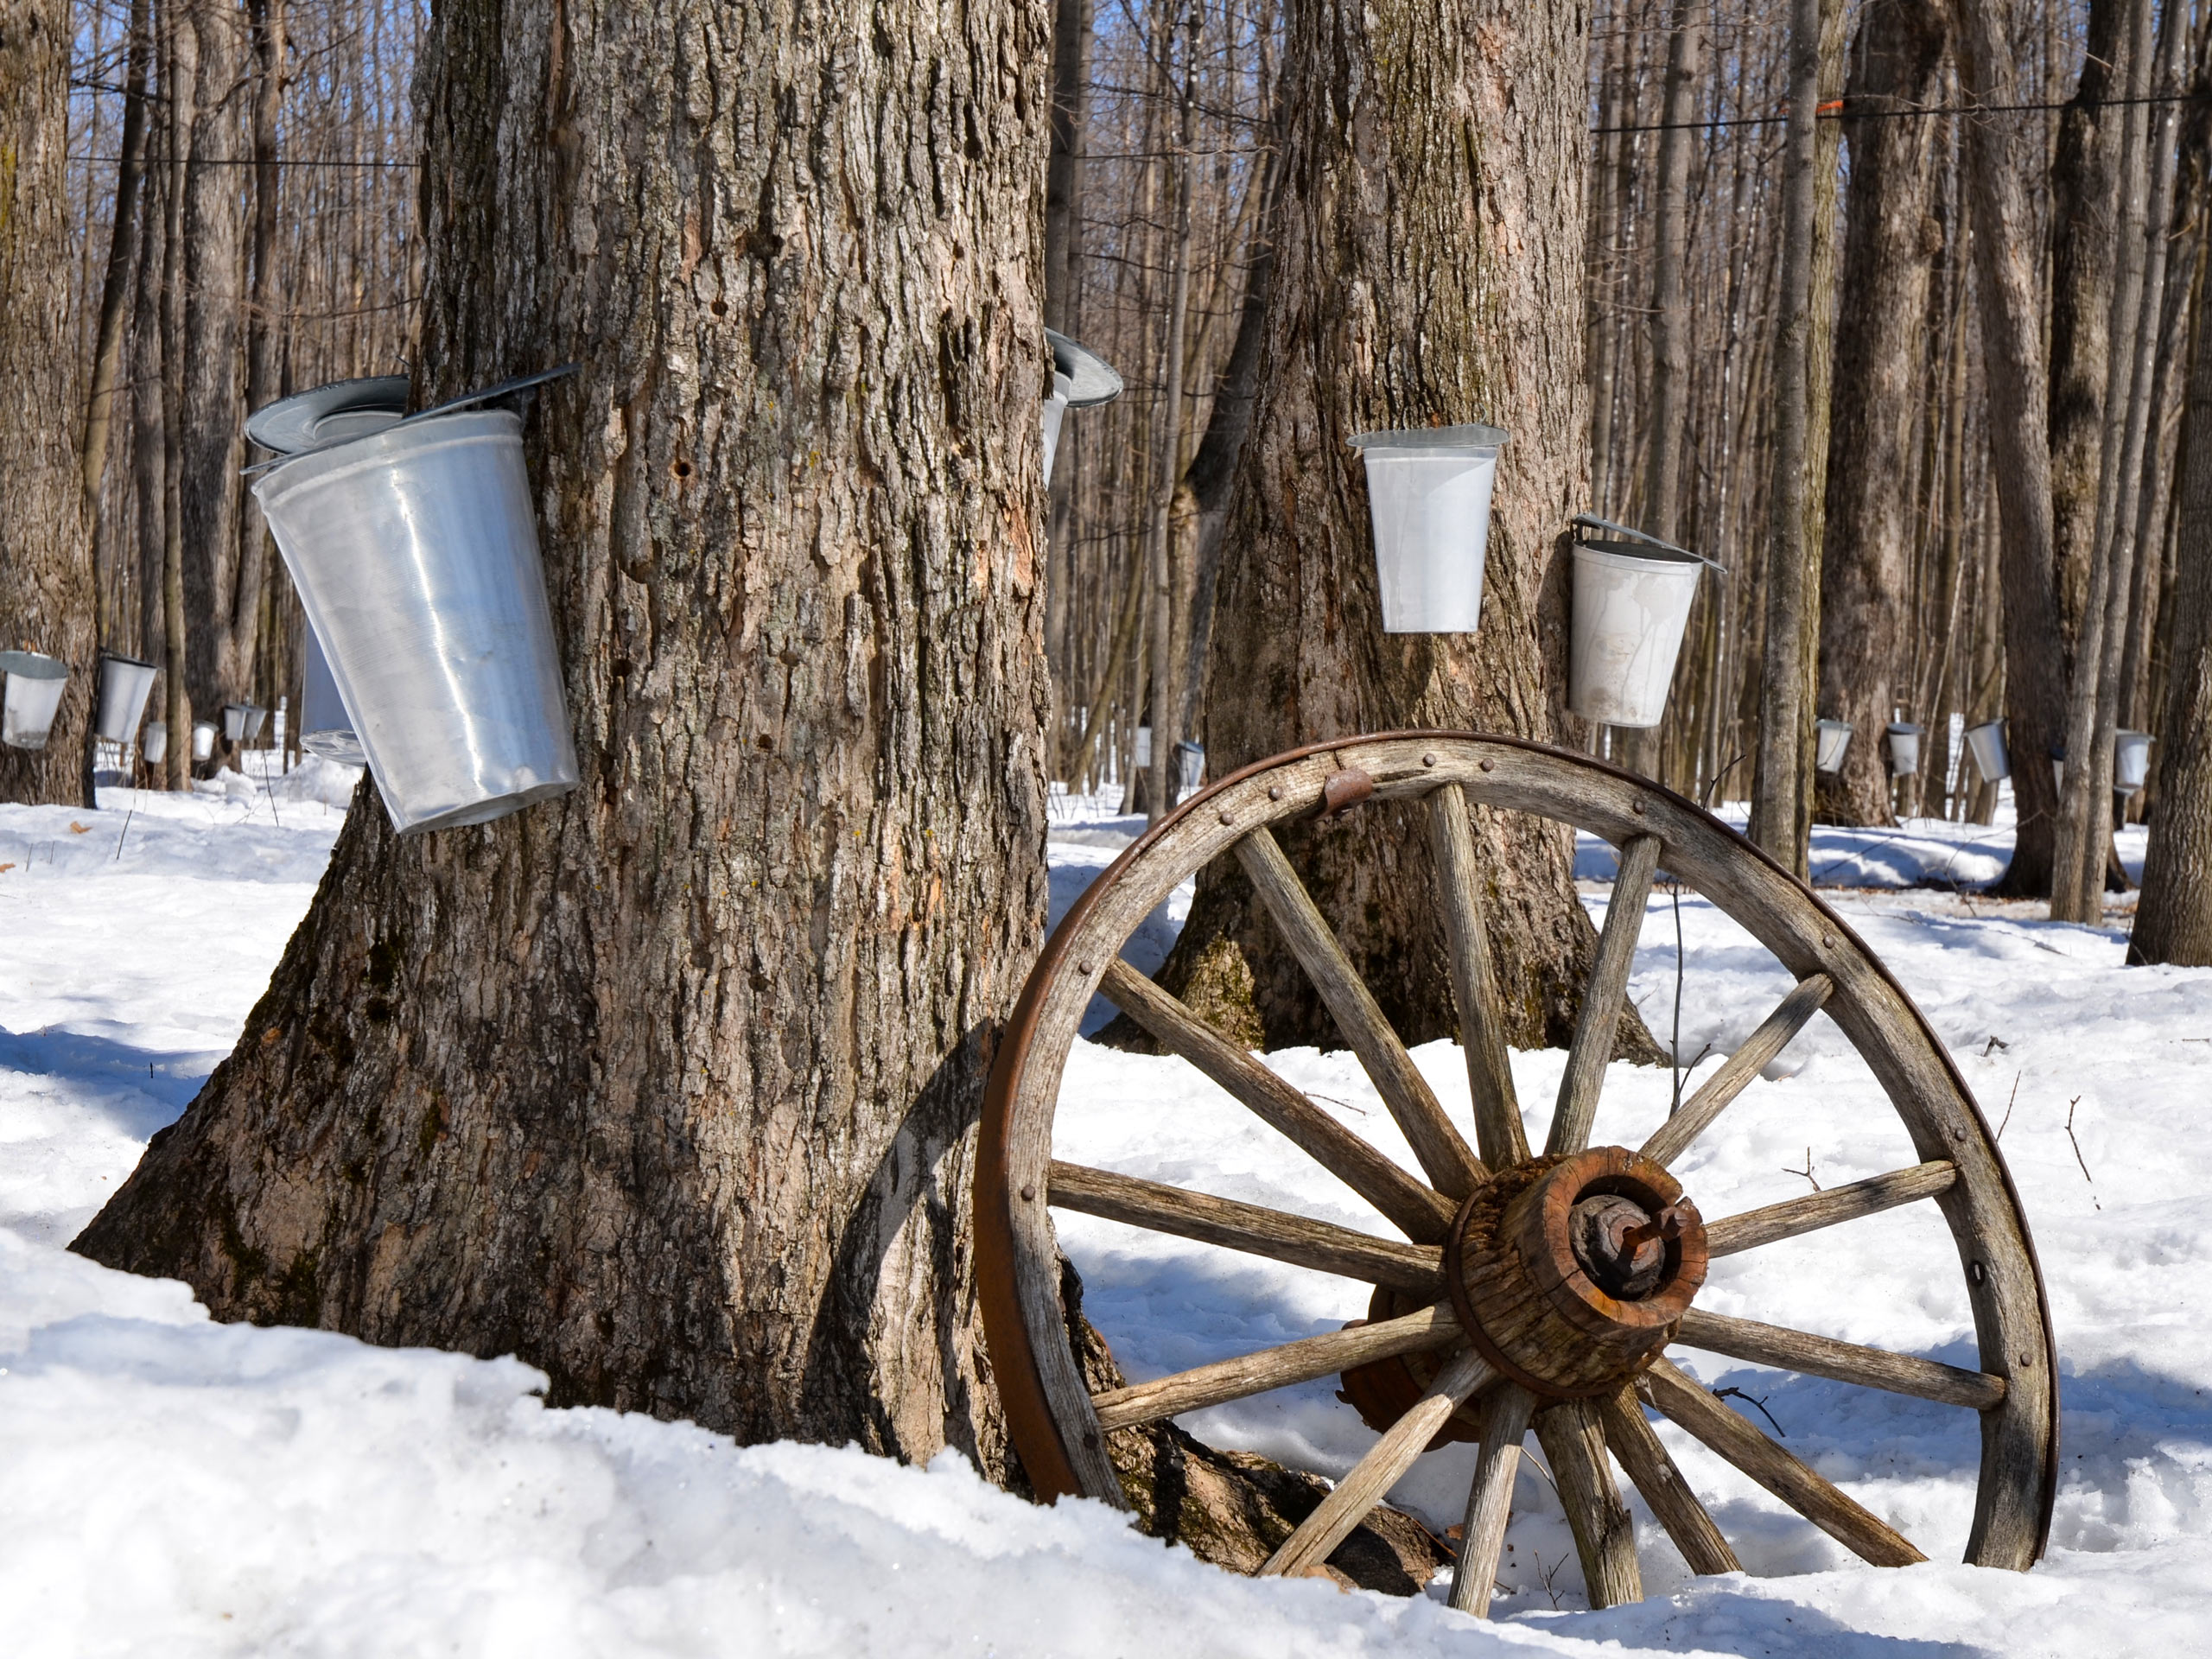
(1538, 1286)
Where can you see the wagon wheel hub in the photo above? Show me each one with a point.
(1570, 1272)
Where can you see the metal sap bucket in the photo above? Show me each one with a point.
(1081, 379)
(1631, 602)
(1189, 766)
(154, 742)
(1142, 757)
(242, 721)
(125, 682)
(2131, 760)
(415, 552)
(325, 727)
(1985, 742)
(1428, 497)
(1831, 739)
(33, 697)
(203, 740)
(1905, 748)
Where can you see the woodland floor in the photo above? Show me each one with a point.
(174, 1486)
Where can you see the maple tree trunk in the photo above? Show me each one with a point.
(1427, 269)
(46, 573)
(1866, 546)
(668, 1086)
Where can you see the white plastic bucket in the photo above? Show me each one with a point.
(1144, 756)
(1056, 410)
(1428, 497)
(1631, 603)
(203, 740)
(33, 697)
(1905, 748)
(1985, 742)
(154, 742)
(1831, 741)
(325, 727)
(124, 683)
(242, 721)
(2131, 760)
(415, 552)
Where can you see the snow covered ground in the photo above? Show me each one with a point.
(168, 1485)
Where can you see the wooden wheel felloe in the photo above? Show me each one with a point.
(1531, 1288)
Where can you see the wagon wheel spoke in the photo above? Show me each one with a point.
(1735, 1074)
(1419, 1211)
(1818, 1500)
(1604, 1536)
(1604, 998)
(1451, 1164)
(1840, 1362)
(1490, 1498)
(1277, 1368)
(1252, 1228)
(1498, 1134)
(1753, 1227)
(1375, 1473)
(1633, 1441)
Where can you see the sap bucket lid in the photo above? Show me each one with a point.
(1637, 544)
(332, 414)
(1475, 439)
(1091, 378)
(33, 665)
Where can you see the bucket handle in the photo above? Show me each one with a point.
(1591, 520)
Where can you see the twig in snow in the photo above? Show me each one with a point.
(1737, 1394)
(126, 831)
(1807, 1171)
(1549, 1574)
(2078, 1159)
(1995, 1042)
(1346, 1104)
(2014, 1096)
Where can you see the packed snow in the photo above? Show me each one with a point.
(176, 1486)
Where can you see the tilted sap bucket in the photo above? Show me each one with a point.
(2131, 760)
(1985, 742)
(1189, 766)
(154, 742)
(415, 552)
(1429, 494)
(203, 740)
(1905, 748)
(1081, 379)
(325, 727)
(1831, 741)
(35, 683)
(125, 683)
(1631, 602)
(242, 721)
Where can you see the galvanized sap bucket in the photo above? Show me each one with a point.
(1905, 748)
(124, 684)
(154, 742)
(33, 697)
(2131, 760)
(1831, 741)
(415, 551)
(203, 740)
(1081, 379)
(1189, 766)
(1428, 496)
(325, 727)
(1632, 601)
(1985, 742)
(242, 721)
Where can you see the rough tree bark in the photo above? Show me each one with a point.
(1428, 269)
(668, 1086)
(1890, 247)
(2000, 159)
(2173, 919)
(46, 573)
(1072, 31)
(2084, 232)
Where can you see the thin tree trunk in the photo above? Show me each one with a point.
(2010, 301)
(1071, 34)
(179, 83)
(1452, 295)
(1779, 779)
(669, 1086)
(46, 600)
(1165, 701)
(1670, 305)
(1880, 355)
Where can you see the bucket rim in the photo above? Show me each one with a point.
(33, 665)
(1475, 439)
(1640, 553)
(1643, 537)
(464, 404)
(128, 661)
(287, 426)
(1833, 726)
(1092, 379)
(415, 435)
(1906, 728)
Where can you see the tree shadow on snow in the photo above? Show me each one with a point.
(138, 1090)
(1716, 1619)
